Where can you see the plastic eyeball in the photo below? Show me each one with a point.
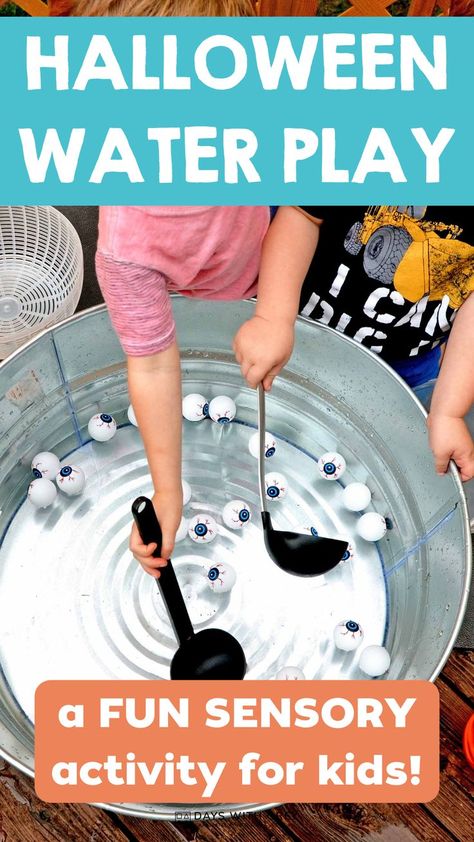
(356, 496)
(42, 492)
(102, 427)
(186, 492)
(45, 465)
(71, 479)
(349, 553)
(221, 577)
(331, 465)
(374, 660)
(202, 529)
(310, 530)
(290, 674)
(270, 445)
(131, 416)
(236, 514)
(222, 409)
(371, 526)
(276, 486)
(195, 407)
(182, 530)
(348, 635)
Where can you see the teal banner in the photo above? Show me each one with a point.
(145, 111)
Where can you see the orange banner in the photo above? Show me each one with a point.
(233, 741)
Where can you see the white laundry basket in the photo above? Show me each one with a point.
(41, 272)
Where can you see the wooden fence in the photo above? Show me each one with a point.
(35, 8)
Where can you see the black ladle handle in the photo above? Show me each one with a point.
(149, 528)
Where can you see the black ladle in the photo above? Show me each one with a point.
(302, 555)
(209, 653)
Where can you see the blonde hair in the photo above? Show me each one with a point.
(153, 8)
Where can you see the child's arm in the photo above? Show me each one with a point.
(264, 344)
(154, 384)
(453, 397)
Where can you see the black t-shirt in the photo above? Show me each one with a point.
(391, 278)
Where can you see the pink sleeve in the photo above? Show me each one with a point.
(139, 305)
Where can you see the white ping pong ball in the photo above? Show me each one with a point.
(269, 448)
(374, 661)
(186, 492)
(222, 409)
(182, 530)
(221, 577)
(45, 464)
(236, 514)
(276, 486)
(356, 496)
(131, 416)
(331, 465)
(42, 492)
(195, 407)
(71, 479)
(371, 526)
(102, 427)
(348, 635)
(202, 529)
(290, 674)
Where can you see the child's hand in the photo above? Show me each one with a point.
(451, 439)
(168, 508)
(262, 347)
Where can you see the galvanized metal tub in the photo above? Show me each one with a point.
(73, 602)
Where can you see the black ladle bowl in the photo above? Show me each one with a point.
(207, 654)
(301, 555)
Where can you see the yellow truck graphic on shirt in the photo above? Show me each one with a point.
(403, 249)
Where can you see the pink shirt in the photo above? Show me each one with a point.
(145, 252)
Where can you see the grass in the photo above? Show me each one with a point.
(10, 10)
